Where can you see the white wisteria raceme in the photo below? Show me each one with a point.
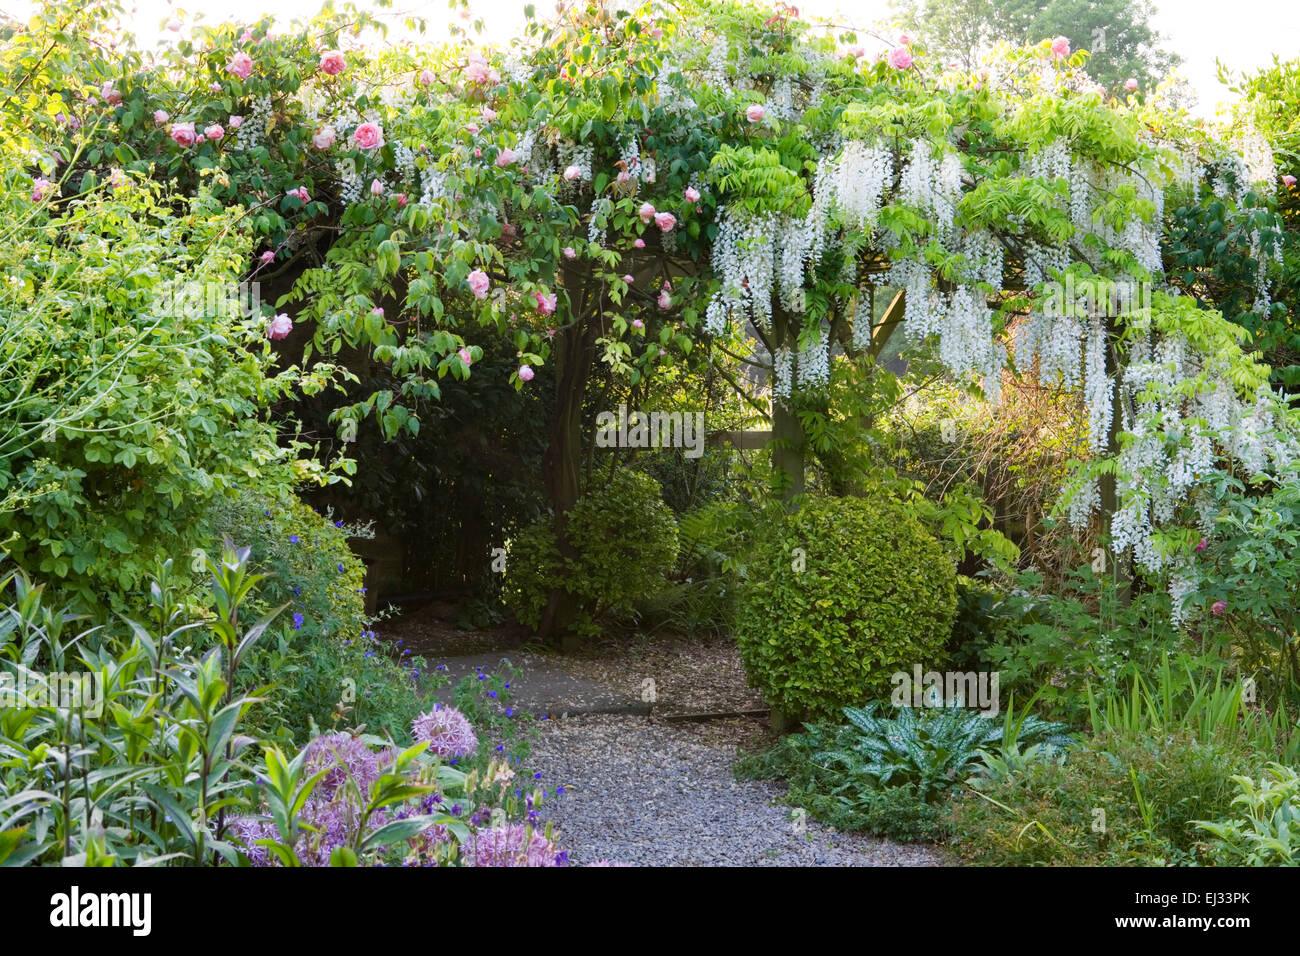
(858, 181)
(814, 364)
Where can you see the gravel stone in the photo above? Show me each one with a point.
(647, 793)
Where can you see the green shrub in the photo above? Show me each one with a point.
(842, 594)
(1269, 833)
(133, 385)
(1150, 789)
(625, 541)
(322, 653)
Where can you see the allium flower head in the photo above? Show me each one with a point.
(345, 756)
(447, 730)
(509, 845)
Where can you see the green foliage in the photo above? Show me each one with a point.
(890, 776)
(624, 541)
(322, 657)
(1268, 833)
(840, 595)
(1150, 788)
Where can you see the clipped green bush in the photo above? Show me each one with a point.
(842, 594)
(625, 542)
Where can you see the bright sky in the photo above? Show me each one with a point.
(1196, 29)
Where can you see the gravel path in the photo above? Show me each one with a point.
(648, 793)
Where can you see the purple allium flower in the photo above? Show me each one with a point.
(346, 756)
(448, 732)
(511, 845)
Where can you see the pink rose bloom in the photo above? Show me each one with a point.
(215, 87)
(1131, 84)
(1219, 607)
(638, 324)
(665, 221)
(426, 77)
(488, 114)
(268, 257)
(240, 65)
(161, 116)
(755, 113)
(506, 157)
(624, 177)
(471, 128)
(1061, 47)
(324, 139)
(1201, 545)
(333, 63)
(900, 58)
(214, 131)
(477, 70)
(183, 134)
(1099, 90)
(572, 172)
(646, 212)
(478, 283)
(376, 188)
(466, 356)
(627, 279)
(41, 188)
(1289, 181)
(857, 52)
(401, 200)
(378, 310)
(174, 25)
(638, 243)
(478, 153)
(200, 137)
(545, 303)
(111, 95)
(904, 40)
(368, 136)
(570, 252)
(665, 300)
(235, 121)
(692, 194)
(280, 326)
(246, 36)
(299, 193)
(525, 373)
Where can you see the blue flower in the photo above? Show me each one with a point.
(538, 775)
(297, 622)
(294, 539)
(338, 524)
(340, 569)
(297, 590)
(510, 711)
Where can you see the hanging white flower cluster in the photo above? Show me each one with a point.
(252, 132)
(783, 372)
(814, 364)
(350, 184)
(716, 74)
(932, 184)
(1257, 157)
(598, 223)
(1186, 413)
(743, 258)
(857, 181)
(404, 161)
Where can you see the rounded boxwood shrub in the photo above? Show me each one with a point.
(625, 542)
(842, 594)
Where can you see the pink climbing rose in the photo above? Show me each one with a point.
(215, 131)
(1131, 84)
(570, 252)
(571, 173)
(368, 136)
(665, 300)
(1219, 607)
(525, 373)
(665, 221)
(333, 63)
(161, 116)
(1289, 181)
(646, 212)
(638, 243)
(692, 194)
(755, 113)
(279, 327)
(900, 58)
(545, 303)
(478, 283)
(1061, 47)
(324, 138)
(41, 188)
(268, 257)
(466, 356)
(183, 134)
(235, 121)
(426, 77)
(506, 157)
(376, 188)
(638, 324)
(240, 65)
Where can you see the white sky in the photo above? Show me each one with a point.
(1199, 30)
